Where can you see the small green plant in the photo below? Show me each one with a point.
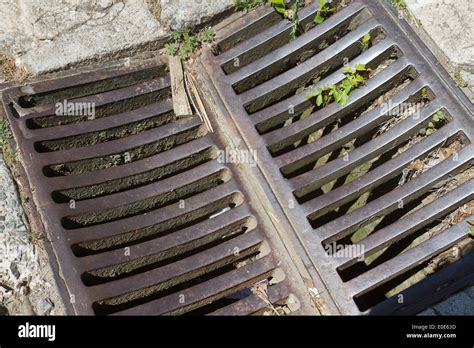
(290, 13)
(400, 5)
(280, 6)
(5, 133)
(172, 49)
(471, 227)
(9, 155)
(247, 5)
(340, 92)
(185, 42)
(460, 82)
(365, 42)
(403, 12)
(424, 94)
(207, 35)
(324, 11)
(437, 119)
(35, 237)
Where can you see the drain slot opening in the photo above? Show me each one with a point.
(272, 40)
(418, 273)
(276, 121)
(334, 122)
(175, 285)
(357, 199)
(136, 181)
(104, 136)
(112, 108)
(278, 307)
(132, 155)
(167, 257)
(147, 205)
(83, 90)
(455, 214)
(326, 68)
(158, 230)
(306, 51)
(344, 153)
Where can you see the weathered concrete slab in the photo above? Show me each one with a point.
(56, 34)
(450, 23)
(181, 13)
(447, 27)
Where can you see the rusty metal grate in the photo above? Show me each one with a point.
(141, 216)
(381, 173)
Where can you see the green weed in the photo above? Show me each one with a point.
(460, 82)
(5, 133)
(324, 11)
(185, 42)
(400, 5)
(365, 42)
(438, 119)
(340, 92)
(247, 5)
(290, 13)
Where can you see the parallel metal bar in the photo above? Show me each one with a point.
(363, 124)
(162, 159)
(167, 186)
(181, 241)
(108, 97)
(276, 88)
(413, 222)
(289, 55)
(114, 147)
(389, 202)
(204, 293)
(183, 270)
(222, 193)
(287, 108)
(255, 302)
(409, 259)
(368, 151)
(374, 88)
(101, 124)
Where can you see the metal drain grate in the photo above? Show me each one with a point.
(141, 216)
(387, 176)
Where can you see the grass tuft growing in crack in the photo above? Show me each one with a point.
(5, 133)
(185, 42)
(5, 136)
(247, 5)
(400, 5)
(460, 82)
